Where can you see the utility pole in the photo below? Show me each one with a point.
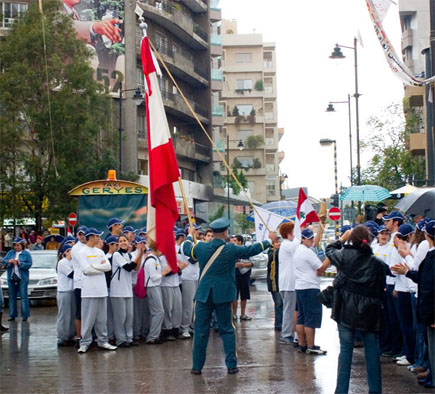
(430, 126)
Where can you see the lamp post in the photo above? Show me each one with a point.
(138, 99)
(328, 142)
(240, 145)
(337, 54)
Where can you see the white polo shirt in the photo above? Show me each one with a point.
(153, 271)
(93, 264)
(191, 272)
(169, 280)
(64, 268)
(121, 283)
(75, 253)
(403, 283)
(381, 251)
(287, 274)
(306, 264)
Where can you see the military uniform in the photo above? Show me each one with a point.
(216, 291)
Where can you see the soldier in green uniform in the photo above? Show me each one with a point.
(216, 290)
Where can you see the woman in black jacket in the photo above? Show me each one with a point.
(272, 282)
(357, 303)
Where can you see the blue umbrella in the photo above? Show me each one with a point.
(58, 238)
(284, 208)
(365, 193)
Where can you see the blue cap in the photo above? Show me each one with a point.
(382, 228)
(140, 240)
(64, 248)
(219, 225)
(307, 234)
(430, 228)
(195, 226)
(70, 238)
(82, 229)
(405, 229)
(18, 240)
(113, 221)
(93, 231)
(128, 229)
(179, 233)
(111, 239)
(394, 215)
(345, 228)
(420, 225)
(373, 227)
(142, 230)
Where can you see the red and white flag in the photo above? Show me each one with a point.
(162, 163)
(305, 213)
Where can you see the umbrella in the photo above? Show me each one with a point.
(404, 190)
(58, 238)
(365, 193)
(284, 208)
(420, 202)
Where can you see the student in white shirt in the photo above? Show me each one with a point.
(65, 328)
(121, 292)
(307, 285)
(93, 264)
(111, 246)
(75, 252)
(153, 280)
(286, 278)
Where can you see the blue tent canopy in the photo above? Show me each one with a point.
(284, 208)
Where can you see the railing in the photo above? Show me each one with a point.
(215, 39)
(217, 75)
(200, 72)
(218, 110)
(141, 134)
(178, 100)
(201, 33)
(164, 49)
(214, 4)
(202, 149)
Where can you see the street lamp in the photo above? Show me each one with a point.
(241, 146)
(138, 98)
(337, 54)
(328, 142)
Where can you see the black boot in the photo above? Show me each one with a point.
(2, 328)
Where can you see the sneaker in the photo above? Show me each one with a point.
(170, 338)
(286, 340)
(157, 341)
(296, 340)
(398, 357)
(245, 317)
(233, 371)
(83, 349)
(185, 335)
(107, 346)
(133, 343)
(315, 350)
(123, 344)
(418, 369)
(302, 349)
(403, 362)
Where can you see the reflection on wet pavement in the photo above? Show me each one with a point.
(31, 361)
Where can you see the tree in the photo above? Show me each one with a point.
(392, 164)
(245, 226)
(55, 121)
(218, 214)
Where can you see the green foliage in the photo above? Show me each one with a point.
(259, 85)
(392, 164)
(245, 226)
(241, 178)
(218, 214)
(257, 163)
(235, 111)
(45, 150)
(254, 141)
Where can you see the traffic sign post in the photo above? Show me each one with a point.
(334, 214)
(72, 219)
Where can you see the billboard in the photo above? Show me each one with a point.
(100, 24)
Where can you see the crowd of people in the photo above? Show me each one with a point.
(383, 294)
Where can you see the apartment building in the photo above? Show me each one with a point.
(249, 99)
(415, 24)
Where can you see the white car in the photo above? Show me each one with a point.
(42, 276)
(259, 270)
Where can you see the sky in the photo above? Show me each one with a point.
(305, 33)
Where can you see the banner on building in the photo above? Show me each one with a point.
(99, 23)
(394, 61)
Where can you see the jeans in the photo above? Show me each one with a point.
(373, 364)
(14, 289)
(277, 300)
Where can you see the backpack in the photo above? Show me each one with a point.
(140, 289)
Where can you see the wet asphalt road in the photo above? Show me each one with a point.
(30, 362)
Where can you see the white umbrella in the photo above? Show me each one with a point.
(404, 189)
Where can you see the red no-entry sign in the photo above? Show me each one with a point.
(72, 219)
(334, 213)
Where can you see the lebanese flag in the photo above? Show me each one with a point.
(305, 213)
(162, 163)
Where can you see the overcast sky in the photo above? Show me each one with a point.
(305, 33)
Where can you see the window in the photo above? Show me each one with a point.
(141, 126)
(243, 134)
(251, 186)
(10, 12)
(142, 167)
(243, 57)
(270, 187)
(246, 161)
(244, 109)
(187, 174)
(243, 84)
(267, 58)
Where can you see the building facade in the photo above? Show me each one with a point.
(249, 97)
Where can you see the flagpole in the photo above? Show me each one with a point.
(186, 207)
(207, 135)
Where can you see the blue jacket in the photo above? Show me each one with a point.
(221, 275)
(25, 260)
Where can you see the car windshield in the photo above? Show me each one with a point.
(44, 260)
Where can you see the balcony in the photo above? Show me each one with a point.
(281, 156)
(197, 6)
(181, 65)
(192, 150)
(417, 143)
(218, 115)
(269, 117)
(175, 105)
(271, 144)
(175, 21)
(280, 132)
(407, 39)
(215, 14)
(238, 93)
(217, 75)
